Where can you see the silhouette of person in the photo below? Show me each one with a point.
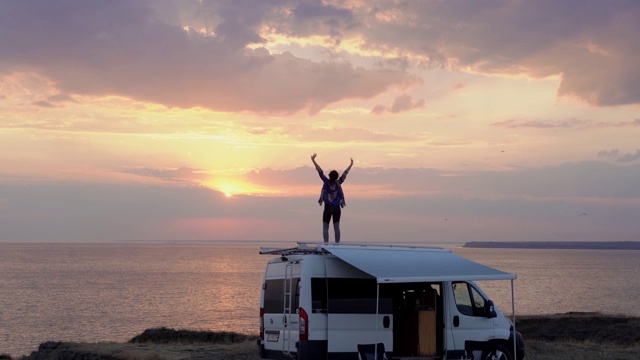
(333, 198)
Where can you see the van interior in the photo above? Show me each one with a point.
(418, 317)
(416, 308)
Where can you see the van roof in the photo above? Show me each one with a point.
(393, 263)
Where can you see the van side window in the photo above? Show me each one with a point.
(351, 296)
(274, 296)
(348, 296)
(318, 295)
(478, 302)
(469, 301)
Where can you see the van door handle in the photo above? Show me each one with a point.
(284, 320)
(386, 322)
(456, 321)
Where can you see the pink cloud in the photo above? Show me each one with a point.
(402, 103)
(124, 49)
(544, 123)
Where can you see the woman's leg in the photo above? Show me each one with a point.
(337, 212)
(325, 232)
(326, 218)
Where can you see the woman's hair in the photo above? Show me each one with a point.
(333, 175)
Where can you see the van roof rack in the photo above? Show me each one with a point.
(301, 249)
(305, 248)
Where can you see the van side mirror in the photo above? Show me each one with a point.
(489, 310)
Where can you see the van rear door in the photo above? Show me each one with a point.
(281, 301)
(291, 296)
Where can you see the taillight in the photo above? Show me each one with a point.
(303, 320)
(262, 323)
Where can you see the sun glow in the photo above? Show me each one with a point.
(232, 187)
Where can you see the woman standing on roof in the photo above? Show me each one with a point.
(333, 199)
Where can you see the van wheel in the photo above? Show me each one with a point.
(499, 352)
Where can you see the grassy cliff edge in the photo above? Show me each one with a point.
(570, 336)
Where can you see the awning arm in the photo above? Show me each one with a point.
(513, 319)
(375, 351)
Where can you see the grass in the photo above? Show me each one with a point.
(171, 336)
(567, 350)
(589, 327)
(580, 336)
(572, 336)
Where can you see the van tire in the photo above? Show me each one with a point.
(499, 352)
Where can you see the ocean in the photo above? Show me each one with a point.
(112, 292)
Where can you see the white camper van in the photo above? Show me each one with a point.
(326, 301)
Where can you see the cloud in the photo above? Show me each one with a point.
(123, 48)
(478, 205)
(405, 103)
(400, 104)
(613, 153)
(52, 100)
(592, 46)
(619, 124)
(308, 18)
(543, 123)
(378, 109)
(177, 174)
(77, 211)
(338, 135)
(210, 54)
(617, 155)
(564, 123)
(570, 181)
(62, 98)
(629, 157)
(43, 103)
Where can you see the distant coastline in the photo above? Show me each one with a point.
(594, 245)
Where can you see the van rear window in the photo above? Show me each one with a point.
(277, 301)
(347, 296)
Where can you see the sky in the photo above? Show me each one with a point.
(490, 120)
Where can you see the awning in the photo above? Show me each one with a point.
(402, 265)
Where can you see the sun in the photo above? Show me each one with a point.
(230, 187)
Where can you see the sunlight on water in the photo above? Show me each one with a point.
(112, 292)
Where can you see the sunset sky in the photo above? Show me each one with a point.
(195, 120)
